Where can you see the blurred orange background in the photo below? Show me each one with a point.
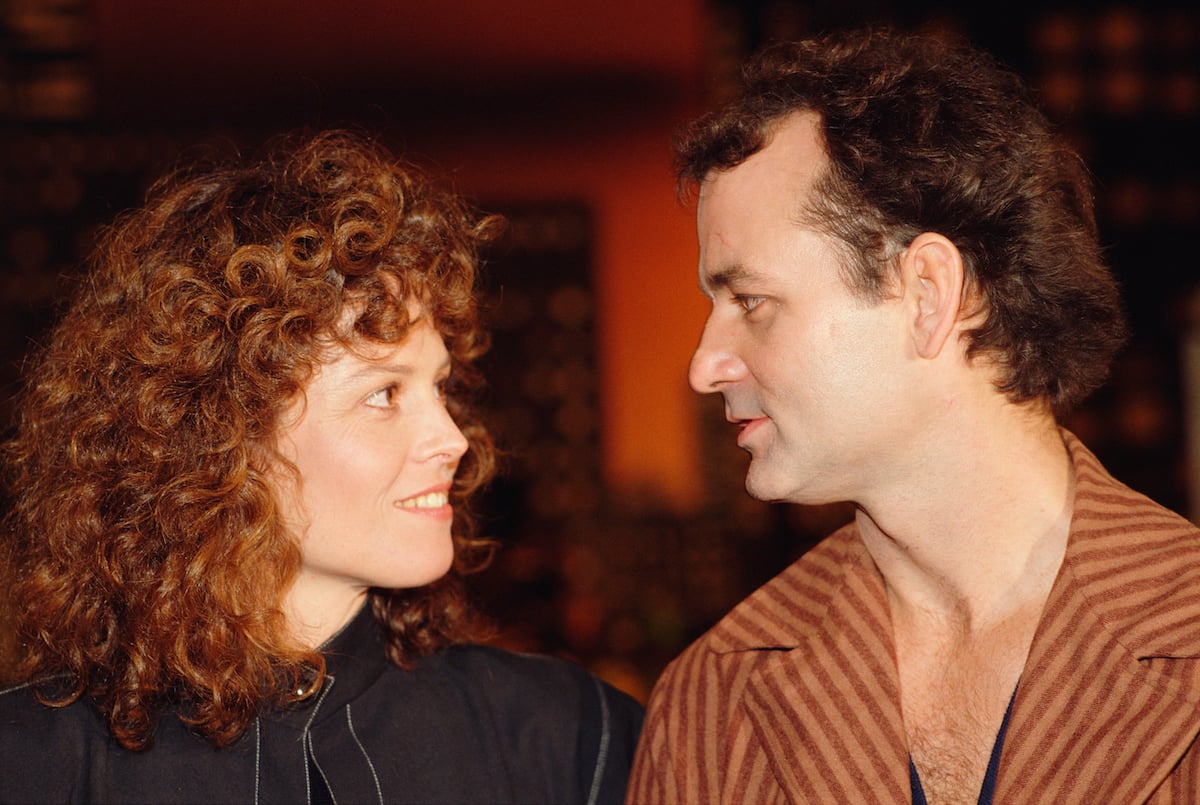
(564, 111)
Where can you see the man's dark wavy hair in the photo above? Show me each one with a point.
(928, 135)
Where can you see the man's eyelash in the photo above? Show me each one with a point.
(748, 302)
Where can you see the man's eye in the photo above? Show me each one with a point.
(748, 303)
(381, 398)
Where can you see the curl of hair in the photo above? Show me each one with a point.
(144, 544)
(928, 135)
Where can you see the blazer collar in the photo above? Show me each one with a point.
(826, 712)
(355, 658)
(775, 617)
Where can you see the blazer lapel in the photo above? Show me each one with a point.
(1090, 722)
(1108, 702)
(826, 712)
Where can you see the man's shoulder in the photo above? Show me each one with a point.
(1135, 561)
(792, 606)
(1117, 532)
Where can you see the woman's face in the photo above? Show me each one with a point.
(376, 452)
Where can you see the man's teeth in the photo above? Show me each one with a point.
(432, 500)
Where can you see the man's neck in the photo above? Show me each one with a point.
(977, 530)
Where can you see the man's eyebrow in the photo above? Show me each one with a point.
(724, 277)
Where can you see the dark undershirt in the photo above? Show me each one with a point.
(988, 789)
(317, 789)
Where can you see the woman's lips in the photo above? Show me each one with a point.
(430, 503)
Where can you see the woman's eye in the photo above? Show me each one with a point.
(381, 398)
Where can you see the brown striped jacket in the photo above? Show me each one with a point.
(793, 696)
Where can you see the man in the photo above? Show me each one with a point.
(907, 292)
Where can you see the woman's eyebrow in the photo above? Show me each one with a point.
(374, 369)
(402, 369)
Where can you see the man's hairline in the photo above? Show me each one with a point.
(805, 214)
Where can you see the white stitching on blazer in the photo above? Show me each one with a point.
(363, 749)
(602, 754)
(306, 749)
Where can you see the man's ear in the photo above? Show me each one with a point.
(932, 270)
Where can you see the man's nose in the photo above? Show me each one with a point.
(716, 361)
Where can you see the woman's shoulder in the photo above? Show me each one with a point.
(21, 709)
(530, 681)
(42, 747)
(491, 662)
(560, 715)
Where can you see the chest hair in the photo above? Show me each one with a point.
(953, 701)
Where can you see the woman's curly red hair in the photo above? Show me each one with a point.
(146, 557)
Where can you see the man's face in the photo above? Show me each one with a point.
(810, 372)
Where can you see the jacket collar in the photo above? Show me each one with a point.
(829, 707)
(355, 657)
(1115, 652)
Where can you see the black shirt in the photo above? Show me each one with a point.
(469, 724)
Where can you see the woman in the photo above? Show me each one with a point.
(238, 482)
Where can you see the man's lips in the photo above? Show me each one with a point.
(747, 426)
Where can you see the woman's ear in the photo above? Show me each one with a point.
(932, 271)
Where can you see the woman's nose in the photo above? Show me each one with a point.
(446, 442)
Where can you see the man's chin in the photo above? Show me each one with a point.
(762, 488)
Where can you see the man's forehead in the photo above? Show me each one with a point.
(776, 180)
(792, 145)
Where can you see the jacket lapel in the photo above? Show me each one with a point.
(1090, 722)
(1108, 702)
(826, 713)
